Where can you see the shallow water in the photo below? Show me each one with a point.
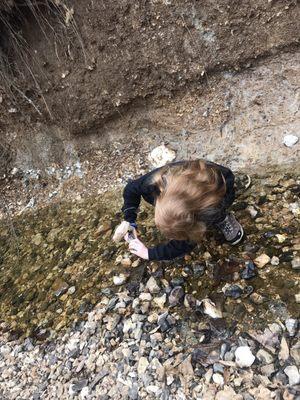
(55, 262)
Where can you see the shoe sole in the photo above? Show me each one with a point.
(239, 239)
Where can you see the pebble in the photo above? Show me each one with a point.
(71, 290)
(262, 260)
(160, 301)
(161, 155)
(296, 263)
(297, 298)
(152, 285)
(275, 260)
(119, 279)
(264, 357)
(218, 379)
(209, 308)
(142, 365)
(292, 373)
(234, 291)
(290, 140)
(176, 296)
(291, 326)
(249, 271)
(244, 356)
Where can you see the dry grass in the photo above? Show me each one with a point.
(18, 63)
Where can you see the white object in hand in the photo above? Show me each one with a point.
(121, 231)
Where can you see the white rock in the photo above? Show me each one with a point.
(210, 309)
(262, 260)
(84, 392)
(244, 356)
(152, 389)
(290, 140)
(128, 325)
(297, 298)
(218, 379)
(145, 297)
(293, 374)
(275, 260)
(119, 279)
(142, 365)
(121, 231)
(161, 156)
(160, 301)
(152, 285)
(284, 351)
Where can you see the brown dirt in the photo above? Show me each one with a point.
(120, 53)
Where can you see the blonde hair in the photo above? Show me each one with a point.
(189, 196)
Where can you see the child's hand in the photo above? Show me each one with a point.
(139, 249)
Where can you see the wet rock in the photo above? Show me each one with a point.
(275, 260)
(119, 279)
(152, 285)
(291, 326)
(176, 296)
(233, 291)
(296, 263)
(292, 373)
(198, 270)
(160, 301)
(249, 271)
(189, 301)
(244, 356)
(60, 287)
(209, 308)
(177, 281)
(264, 357)
(257, 298)
(262, 260)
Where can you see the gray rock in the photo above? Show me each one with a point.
(176, 296)
(291, 326)
(218, 368)
(264, 357)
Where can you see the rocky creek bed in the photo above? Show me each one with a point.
(82, 317)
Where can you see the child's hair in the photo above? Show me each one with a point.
(189, 198)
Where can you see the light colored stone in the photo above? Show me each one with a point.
(264, 357)
(218, 379)
(262, 260)
(275, 260)
(145, 297)
(152, 285)
(292, 373)
(161, 156)
(244, 356)
(119, 279)
(290, 140)
(142, 365)
(228, 393)
(160, 301)
(284, 350)
(209, 308)
(296, 263)
(297, 298)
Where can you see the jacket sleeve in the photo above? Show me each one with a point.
(132, 198)
(170, 250)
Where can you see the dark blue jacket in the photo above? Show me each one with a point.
(143, 187)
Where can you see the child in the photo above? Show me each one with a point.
(189, 197)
